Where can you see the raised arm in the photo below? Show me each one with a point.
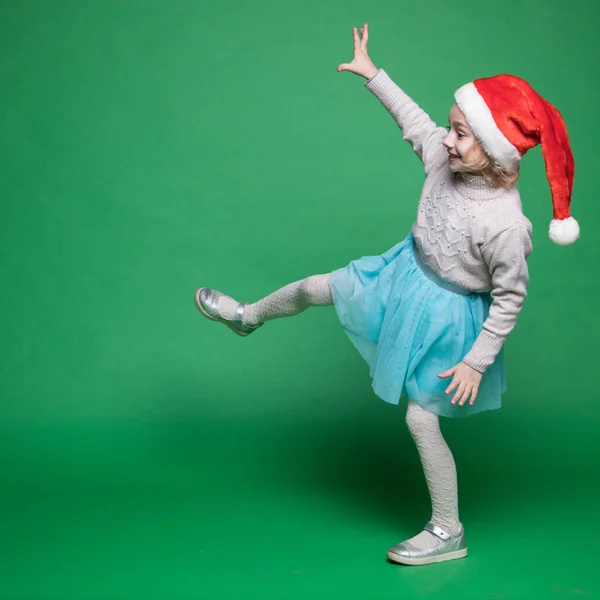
(417, 127)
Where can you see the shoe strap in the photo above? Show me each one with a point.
(437, 531)
(239, 312)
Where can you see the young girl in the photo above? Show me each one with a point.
(440, 303)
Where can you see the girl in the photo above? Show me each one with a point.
(440, 304)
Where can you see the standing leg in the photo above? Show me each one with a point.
(443, 539)
(244, 318)
(438, 465)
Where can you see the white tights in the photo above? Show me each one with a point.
(290, 300)
(440, 471)
(436, 458)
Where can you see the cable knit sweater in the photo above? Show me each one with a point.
(467, 232)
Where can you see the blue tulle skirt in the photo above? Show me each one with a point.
(410, 326)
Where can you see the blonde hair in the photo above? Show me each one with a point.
(492, 172)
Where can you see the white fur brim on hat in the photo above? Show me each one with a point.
(564, 231)
(480, 119)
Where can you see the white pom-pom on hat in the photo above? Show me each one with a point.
(564, 231)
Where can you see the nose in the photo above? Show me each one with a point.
(447, 142)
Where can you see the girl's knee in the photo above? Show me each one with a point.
(420, 420)
(315, 290)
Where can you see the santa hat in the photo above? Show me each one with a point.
(509, 117)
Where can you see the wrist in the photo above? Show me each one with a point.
(479, 370)
(370, 73)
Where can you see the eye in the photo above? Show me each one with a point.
(460, 136)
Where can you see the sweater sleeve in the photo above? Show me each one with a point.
(417, 127)
(506, 257)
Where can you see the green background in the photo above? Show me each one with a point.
(150, 148)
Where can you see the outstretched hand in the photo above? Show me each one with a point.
(361, 63)
(466, 379)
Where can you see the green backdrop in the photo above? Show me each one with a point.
(150, 148)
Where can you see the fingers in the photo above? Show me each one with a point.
(343, 67)
(447, 373)
(462, 400)
(453, 383)
(365, 37)
(356, 41)
(459, 393)
(474, 395)
(463, 393)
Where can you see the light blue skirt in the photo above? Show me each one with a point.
(410, 326)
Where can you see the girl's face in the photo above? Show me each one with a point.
(463, 148)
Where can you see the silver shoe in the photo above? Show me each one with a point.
(449, 548)
(206, 302)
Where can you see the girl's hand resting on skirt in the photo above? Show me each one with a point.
(466, 379)
(361, 64)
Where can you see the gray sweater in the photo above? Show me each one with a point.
(467, 232)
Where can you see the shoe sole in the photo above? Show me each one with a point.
(211, 318)
(428, 560)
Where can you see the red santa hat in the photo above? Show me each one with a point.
(509, 117)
